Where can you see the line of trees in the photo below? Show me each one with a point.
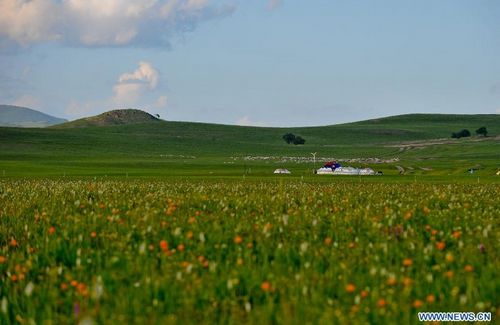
(466, 133)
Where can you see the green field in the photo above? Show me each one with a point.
(288, 252)
(182, 223)
(421, 142)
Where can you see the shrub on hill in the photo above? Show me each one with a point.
(461, 134)
(482, 131)
(299, 140)
(291, 138)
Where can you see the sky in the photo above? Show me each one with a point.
(251, 62)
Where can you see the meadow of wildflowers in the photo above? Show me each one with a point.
(161, 252)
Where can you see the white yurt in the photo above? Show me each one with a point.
(324, 171)
(366, 171)
(282, 171)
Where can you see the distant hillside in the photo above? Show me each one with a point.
(120, 142)
(115, 117)
(15, 116)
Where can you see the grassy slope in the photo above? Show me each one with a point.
(15, 116)
(114, 117)
(137, 148)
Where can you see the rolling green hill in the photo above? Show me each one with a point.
(142, 144)
(15, 116)
(114, 117)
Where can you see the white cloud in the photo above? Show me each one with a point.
(28, 101)
(246, 121)
(28, 21)
(103, 22)
(129, 91)
(130, 86)
(144, 74)
(273, 4)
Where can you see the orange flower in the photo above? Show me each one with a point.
(73, 283)
(449, 274)
(381, 303)
(93, 234)
(468, 268)
(352, 245)
(238, 240)
(328, 241)
(265, 286)
(82, 289)
(441, 245)
(408, 215)
(180, 247)
(392, 281)
(201, 258)
(364, 293)
(192, 220)
(171, 209)
(13, 242)
(456, 234)
(417, 304)
(189, 234)
(13, 278)
(2, 259)
(52, 230)
(205, 264)
(267, 227)
(350, 288)
(449, 257)
(163, 245)
(430, 299)
(407, 281)
(426, 210)
(407, 262)
(64, 286)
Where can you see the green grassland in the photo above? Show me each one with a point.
(162, 148)
(245, 251)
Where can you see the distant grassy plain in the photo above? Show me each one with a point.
(182, 149)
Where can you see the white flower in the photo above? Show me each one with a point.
(29, 289)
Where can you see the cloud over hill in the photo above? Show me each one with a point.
(97, 23)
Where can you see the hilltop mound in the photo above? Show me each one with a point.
(15, 116)
(114, 117)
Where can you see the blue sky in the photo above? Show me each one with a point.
(253, 62)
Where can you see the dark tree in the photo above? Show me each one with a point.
(157, 115)
(461, 134)
(299, 140)
(464, 133)
(482, 131)
(289, 138)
